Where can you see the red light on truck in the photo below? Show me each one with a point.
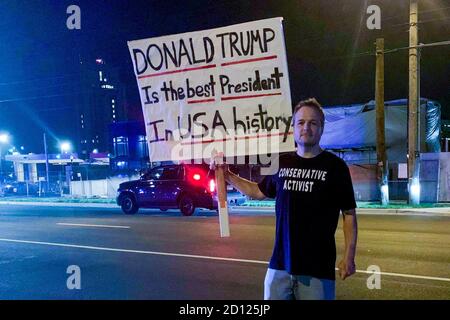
(212, 185)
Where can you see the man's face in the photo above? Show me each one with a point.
(307, 127)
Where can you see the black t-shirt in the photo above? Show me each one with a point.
(309, 193)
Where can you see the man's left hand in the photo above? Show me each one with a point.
(346, 268)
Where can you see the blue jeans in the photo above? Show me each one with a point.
(280, 285)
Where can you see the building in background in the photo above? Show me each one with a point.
(350, 130)
(100, 104)
(75, 102)
(350, 133)
(129, 148)
(64, 168)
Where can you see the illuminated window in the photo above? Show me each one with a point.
(142, 147)
(100, 74)
(120, 146)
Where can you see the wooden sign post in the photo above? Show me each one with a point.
(223, 207)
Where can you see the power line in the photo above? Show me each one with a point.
(420, 12)
(24, 90)
(432, 10)
(40, 97)
(422, 45)
(372, 53)
(54, 109)
(419, 22)
(70, 75)
(357, 55)
(38, 79)
(432, 20)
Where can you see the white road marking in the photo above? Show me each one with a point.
(403, 275)
(203, 257)
(92, 225)
(133, 251)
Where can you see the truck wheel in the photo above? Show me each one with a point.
(187, 205)
(129, 205)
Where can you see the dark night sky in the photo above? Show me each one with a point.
(324, 39)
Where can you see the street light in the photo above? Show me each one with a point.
(414, 190)
(65, 147)
(4, 139)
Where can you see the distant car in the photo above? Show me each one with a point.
(235, 198)
(19, 188)
(183, 186)
(9, 188)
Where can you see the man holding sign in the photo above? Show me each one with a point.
(224, 89)
(311, 188)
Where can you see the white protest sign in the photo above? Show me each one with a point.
(224, 89)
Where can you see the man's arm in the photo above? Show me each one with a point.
(245, 186)
(347, 264)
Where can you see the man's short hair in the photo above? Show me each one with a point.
(313, 103)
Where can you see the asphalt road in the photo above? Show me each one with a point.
(155, 255)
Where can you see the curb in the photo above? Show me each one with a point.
(437, 212)
(61, 204)
(371, 211)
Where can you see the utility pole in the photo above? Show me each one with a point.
(413, 102)
(382, 168)
(46, 164)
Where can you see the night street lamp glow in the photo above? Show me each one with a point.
(415, 189)
(4, 138)
(384, 194)
(65, 147)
